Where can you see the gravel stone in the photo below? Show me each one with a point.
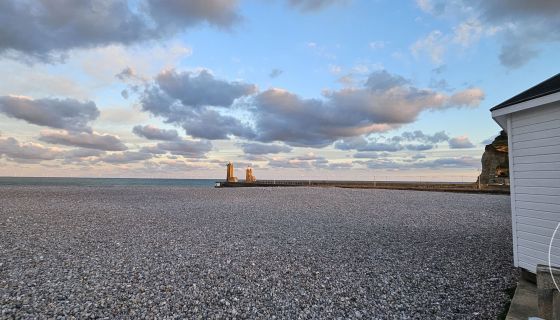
(260, 253)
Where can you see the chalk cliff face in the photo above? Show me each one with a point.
(495, 163)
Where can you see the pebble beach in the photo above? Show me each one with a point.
(257, 253)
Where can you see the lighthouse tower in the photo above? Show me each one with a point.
(230, 177)
(249, 177)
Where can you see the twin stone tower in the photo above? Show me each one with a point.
(249, 177)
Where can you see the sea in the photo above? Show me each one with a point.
(105, 182)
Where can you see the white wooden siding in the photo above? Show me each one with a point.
(534, 136)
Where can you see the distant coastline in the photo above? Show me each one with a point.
(107, 182)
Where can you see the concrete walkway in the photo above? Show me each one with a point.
(524, 303)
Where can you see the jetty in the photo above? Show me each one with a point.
(251, 181)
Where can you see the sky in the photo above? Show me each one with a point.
(297, 89)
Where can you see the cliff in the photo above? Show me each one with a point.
(495, 163)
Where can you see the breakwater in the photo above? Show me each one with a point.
(398, 185)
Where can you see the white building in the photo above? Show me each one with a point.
(532, 122)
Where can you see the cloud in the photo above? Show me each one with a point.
(260, 148)
(129, 74)
(418, 135)
(253, 157)
(27, 152)
(185, 148)
(385, 102)
(461, 142)
(376, 45)
(307, 161)
(153, 133)
(275, 73)
(314, 5)
(124, 157)
(434, 45)
(468, 32)
(66, 114)
(459, 162)
(122, 116)
(383, 80)
(419, 147)
(361, 144)
(211, 124)
(435, 164)
(185, 99)
(335, 69)
(202, 105)
(201, 89)
(90, 140)
(163, 166)
(80, 154)
(368, 155)
(515, 55)
(420, 142)
(523, 26)
(45, 30)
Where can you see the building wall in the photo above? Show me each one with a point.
(534, 136)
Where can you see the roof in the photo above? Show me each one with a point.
(549, 86)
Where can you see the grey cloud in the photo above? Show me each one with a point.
(440, 84)
(362, 144)
(460, 162)
(524, 25)
(286, 163)
(385, 102)
(382, 163)
(367, 155)
(125, 157)
(383, 80)
(275, 73)
(185, 148)
(421, 141)
(515, 55)
(440, 69)
(202, 89)
(153, 133)
(210, 124)
(260, 148)
(199, 102)
(126, 74)
(124, 94)
(66, 114)
(29, 152)
(313, 5)
(338, 165)
(308, 161)
(418, 135)
(44, 30)
(82, 156)
(175, 15)
(419, 147)
(505, 10)
(376, 146)
(170, 165)
(88, 140)
(388, 164)
(253, 157)
(460, 143)
(83, 153)
(187, 99)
